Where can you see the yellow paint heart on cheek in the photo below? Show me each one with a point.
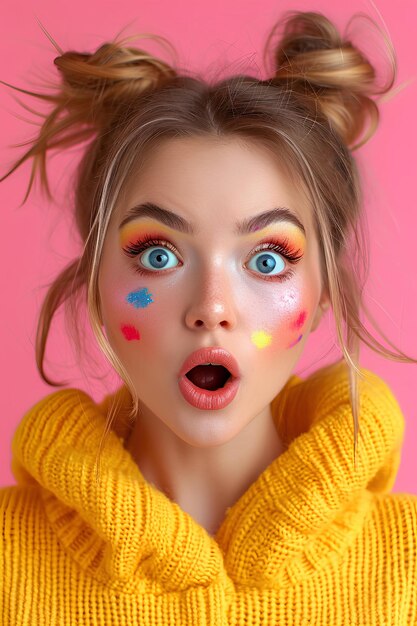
(261, 339)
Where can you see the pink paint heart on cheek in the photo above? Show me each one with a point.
(130, 332)
(299, 322)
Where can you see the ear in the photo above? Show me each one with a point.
(322, 307)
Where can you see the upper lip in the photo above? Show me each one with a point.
(218, 356)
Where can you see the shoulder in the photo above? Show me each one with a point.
(28, 547)
(38, 424)
(39, 428)
(329, 390)
(399, 511)
(401, 508)
(68, 400)
(333, 383)
(57, 400)
(394, 530)
(15, 502)
(57, 403)
(332, 389)
(21, 511)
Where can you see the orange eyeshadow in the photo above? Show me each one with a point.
(131, 231)
(282, 229)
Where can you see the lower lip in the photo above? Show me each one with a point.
(208, 400)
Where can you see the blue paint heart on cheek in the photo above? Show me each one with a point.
(140, 298)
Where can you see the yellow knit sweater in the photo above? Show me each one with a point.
(311, 542)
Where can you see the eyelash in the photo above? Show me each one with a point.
(283, 248)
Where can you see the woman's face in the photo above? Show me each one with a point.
(255, 291)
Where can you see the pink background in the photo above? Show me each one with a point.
(38, 239)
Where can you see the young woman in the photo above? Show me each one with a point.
(219, 222)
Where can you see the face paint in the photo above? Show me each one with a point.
(259, 309)
(130, 332)
(299, 322)
(140, 298)
(296, 325)
(135, 230)
(261, 339)
(294, 343)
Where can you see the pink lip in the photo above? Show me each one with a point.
(218, 356)
(205, 399)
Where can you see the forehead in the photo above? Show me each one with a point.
(210, 180)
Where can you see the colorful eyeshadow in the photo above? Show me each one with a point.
(130, 332)
(139, 299)
(136, 229)
(294, 343)
(286, 230)
(261, 339)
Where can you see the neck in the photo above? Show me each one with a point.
(204, 482)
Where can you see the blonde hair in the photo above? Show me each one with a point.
(313, 112)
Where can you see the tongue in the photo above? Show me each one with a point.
(208, 376)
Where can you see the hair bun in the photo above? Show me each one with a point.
(321, 64)
(95, 83)
(112, 63)
(91, 93)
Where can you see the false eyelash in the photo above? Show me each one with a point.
(283, 248)
(133, 249)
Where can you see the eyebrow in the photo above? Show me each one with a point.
(242, 227)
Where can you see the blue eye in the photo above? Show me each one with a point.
(267, 260)
(267, 263)
(158, 255)
(158, 258)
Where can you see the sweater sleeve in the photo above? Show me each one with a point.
(398, 519)
(13, 533)
(24, 537)
(410, 545)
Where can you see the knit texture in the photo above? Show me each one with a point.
(313, 541)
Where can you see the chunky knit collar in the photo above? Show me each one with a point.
(303, 511)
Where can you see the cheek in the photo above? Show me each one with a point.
(139, 299)
(130, 306)
(286, 320)
(297, 327)
(128, 313)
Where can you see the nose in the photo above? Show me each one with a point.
(212, 303)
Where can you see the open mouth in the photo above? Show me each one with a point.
(209, 377)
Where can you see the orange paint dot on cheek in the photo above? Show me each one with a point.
(130, 332)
